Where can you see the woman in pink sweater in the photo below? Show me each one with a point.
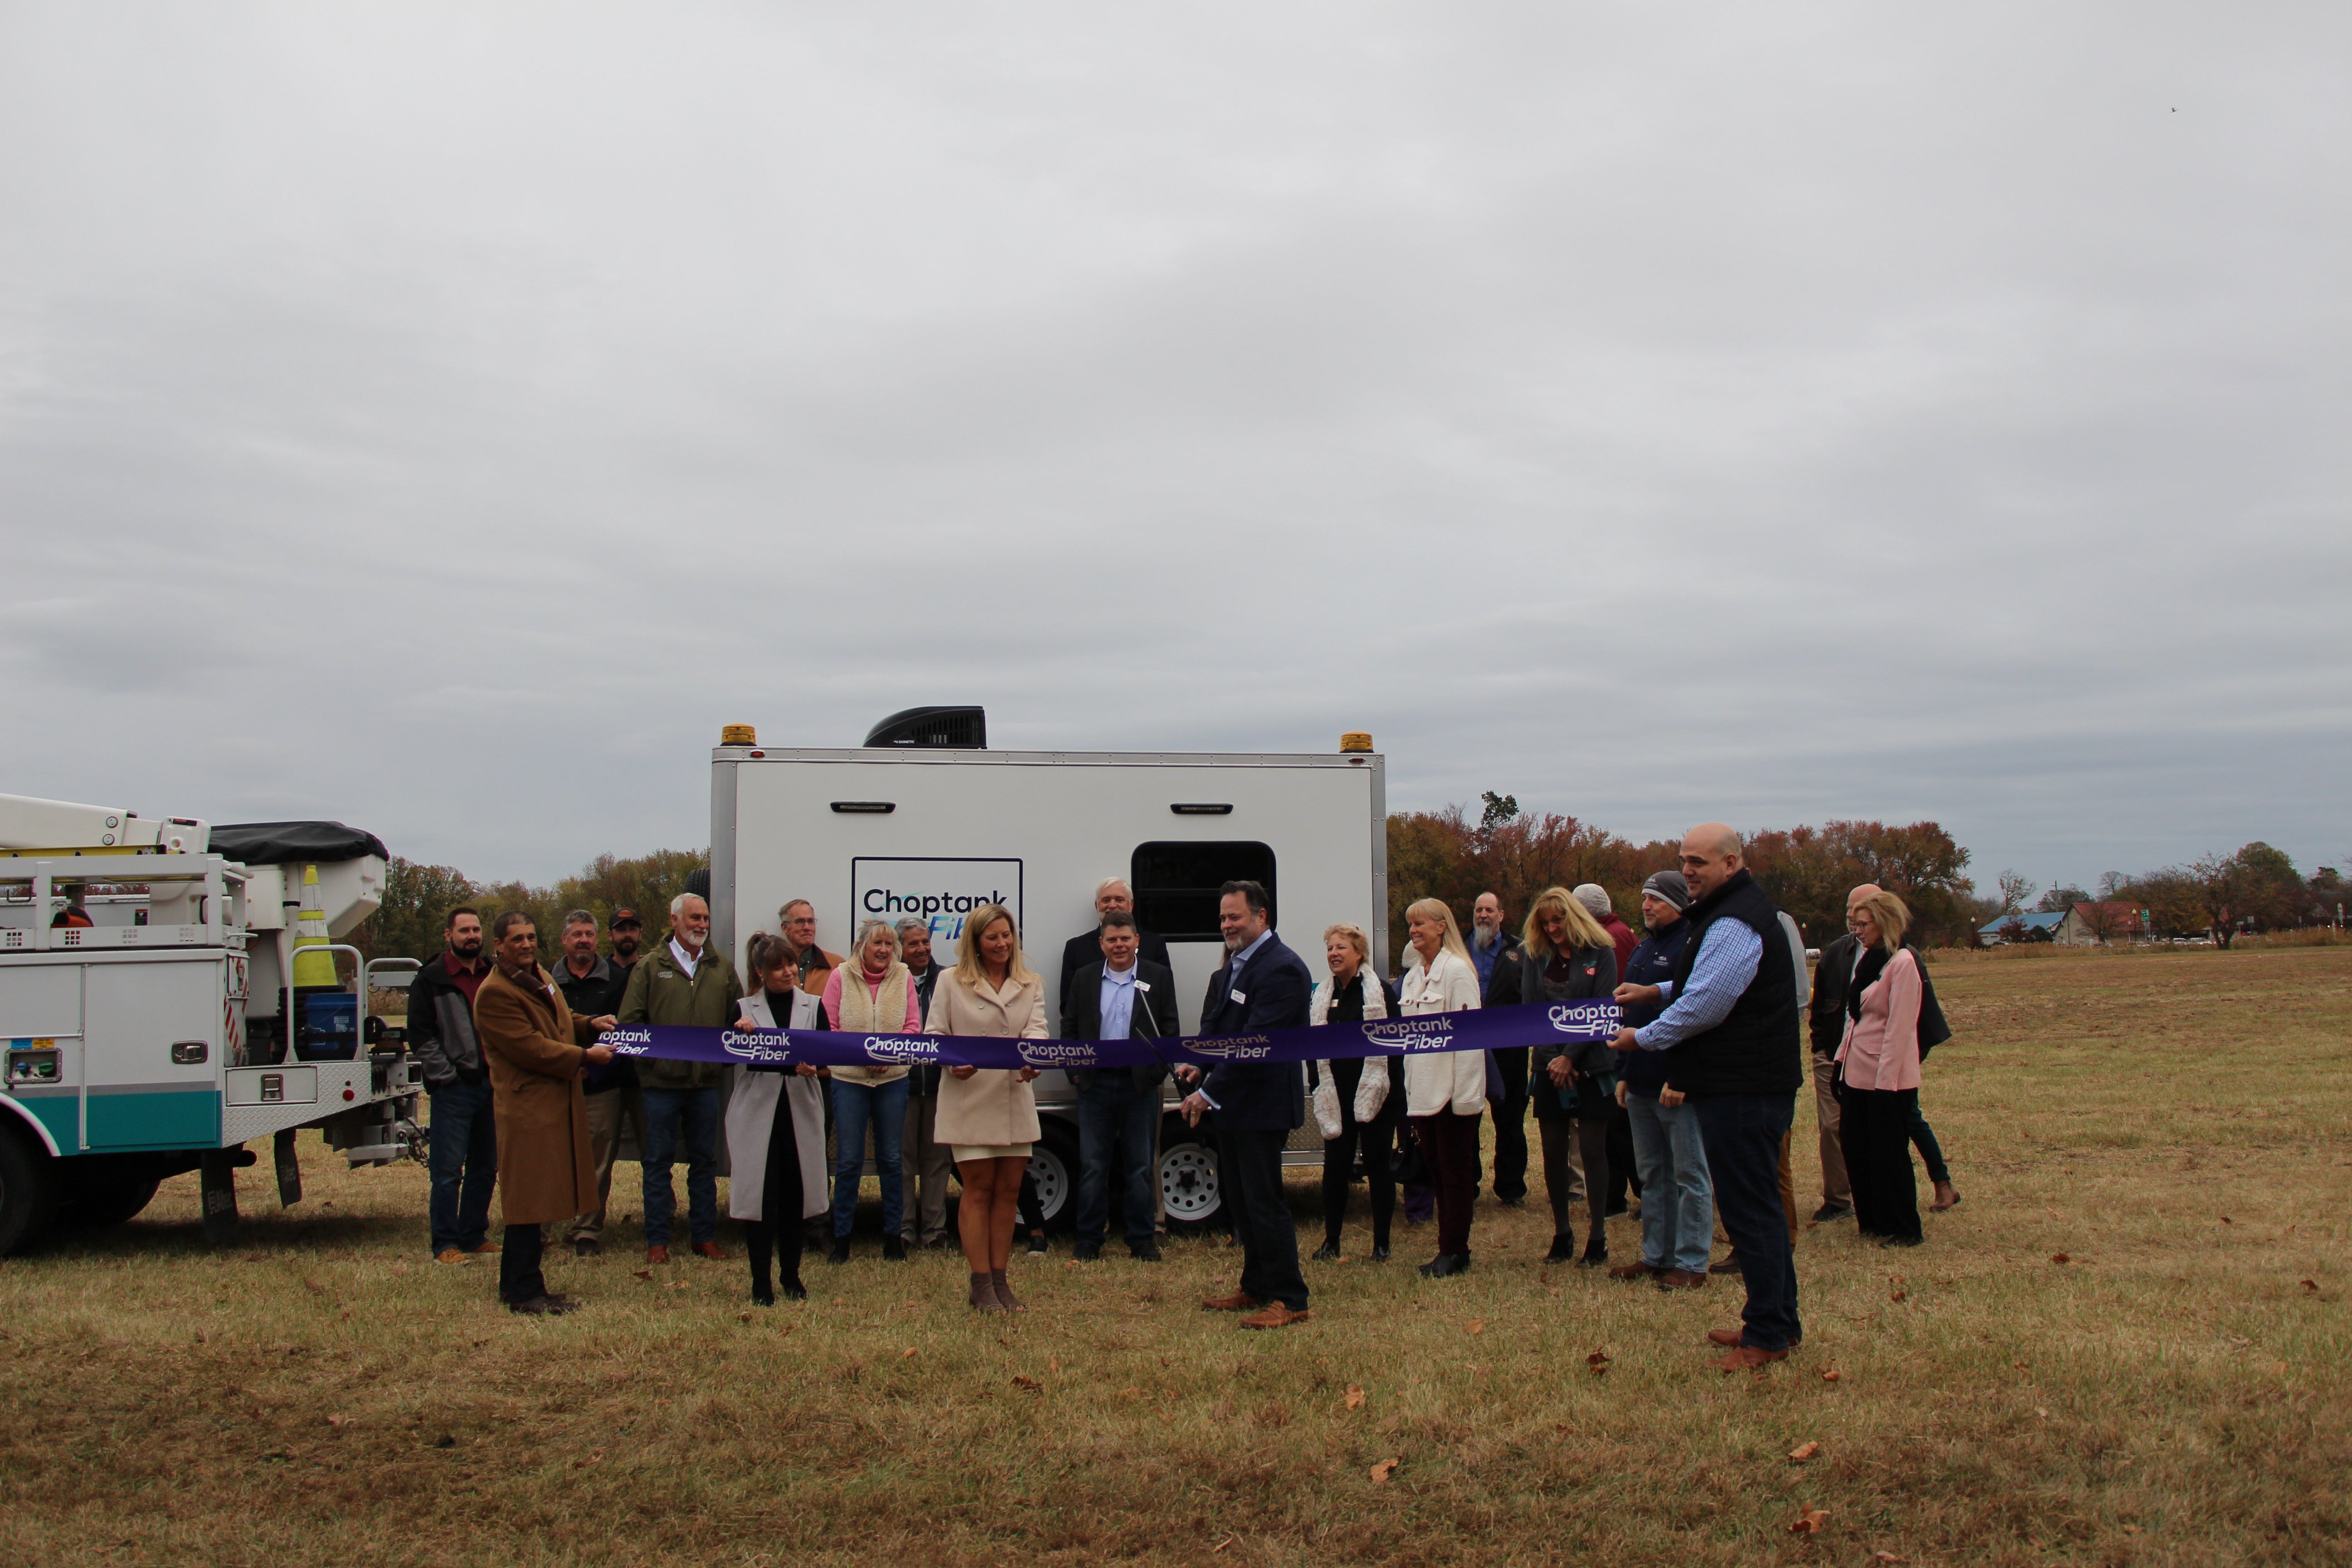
(1878, 1073)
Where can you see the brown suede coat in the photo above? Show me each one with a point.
(547, 1170)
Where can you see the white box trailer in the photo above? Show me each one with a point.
(932, 831)
(160, 1036)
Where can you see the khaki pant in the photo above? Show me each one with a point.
(606, 1114)
(1836, 1186)
(924, 1164)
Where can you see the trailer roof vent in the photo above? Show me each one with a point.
(957, 729)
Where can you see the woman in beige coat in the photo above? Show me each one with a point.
(989, 1118)
(1444, 1090)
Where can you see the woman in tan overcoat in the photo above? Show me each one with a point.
(988, 1117)
(535, 1050)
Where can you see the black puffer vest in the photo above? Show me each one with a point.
(1755, 1050)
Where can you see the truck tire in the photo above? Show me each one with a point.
(102, 1192)
(1188, 1176)
(1054, 1169)
(29, 1191)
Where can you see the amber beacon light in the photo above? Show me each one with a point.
(742, 735)
(1356, 741)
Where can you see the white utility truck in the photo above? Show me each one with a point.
(923, 820)
(169, 992)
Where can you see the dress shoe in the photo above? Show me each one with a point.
(840, 1250)
(1085, 1252)
(793, 1290)
(536, 1307)
(487, 1246)
(1236, 1302)
(1445, 1265)
(1563, 1251)
(1681, 1279)
(448, 1255)
(1380, 1252)
(1730, 1264)
(710, 1250)
(1327, 1253)
(586, 1248)
(1905, 1241)
(1947, 1197)
(1148, 1253)
(894, 1249)
(1276, 1317)
(1731, 1339)
(1828, 1212)
(1634, 1271)
(1749, 1358)
(657, 1253)
(1036, 1244)
(1594, 1255)
(561, 1302)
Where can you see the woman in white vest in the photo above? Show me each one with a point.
(872, 994)
(775, 1135)
(989, 1118)
(1358, 1104)
(1445, 1091)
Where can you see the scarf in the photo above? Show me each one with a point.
(1873, 964)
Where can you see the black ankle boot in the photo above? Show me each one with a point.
(1563, 1249)
(1328, 1252)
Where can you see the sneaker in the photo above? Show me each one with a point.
(894, 1249)
(1036, 1244)
(840, 1252)
(586, 1248)
(1828, 1212)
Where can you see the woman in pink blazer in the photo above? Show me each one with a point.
(1878, 1073)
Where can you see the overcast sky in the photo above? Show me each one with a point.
(444, 419)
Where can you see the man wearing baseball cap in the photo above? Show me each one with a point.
(612, 1089)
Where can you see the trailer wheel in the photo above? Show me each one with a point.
(29, 1191)
(1188, 1177)
(1054, 1171)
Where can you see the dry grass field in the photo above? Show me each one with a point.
(2178, 1126)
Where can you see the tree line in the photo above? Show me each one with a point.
(2218, 896)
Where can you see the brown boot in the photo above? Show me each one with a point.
(1236, 1302)
(1005, 1296)
(1634, 1271)
(1276, 1317)
(983, 1295)
(1681, 1279)
(1749, 1358)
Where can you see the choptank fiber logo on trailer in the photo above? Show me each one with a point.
(938, 891)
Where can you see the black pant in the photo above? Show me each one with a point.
(1924, 1137)
(1622, 1176)
(782, 1231)
(1262, 1218)
(1371, 1139)
(519, 1278)
(1591, 1138)
(1510, 1118)
(1742, 1134)
(1875, 1128)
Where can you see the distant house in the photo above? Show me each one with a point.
(1992, 934)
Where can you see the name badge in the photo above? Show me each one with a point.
(1143, 985)
(1237, 995)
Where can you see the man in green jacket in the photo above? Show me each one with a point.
(683, 981)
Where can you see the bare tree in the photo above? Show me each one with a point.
(2015, 889)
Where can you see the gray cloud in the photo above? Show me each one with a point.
(444, 419)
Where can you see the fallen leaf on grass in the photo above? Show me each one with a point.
(1886, 1557)
(445, 1441)
(1053, 1364)
(1131, 1394)
(1477, 1325)
(339, 1420)
(1355, 1397)
(1808, 1522)
(2038, 1410)
(2311, 1284)
(595, 1457)
(2225, 1219)
(906, 1354)
(1898, 1294)
(1830, 1375)
(645, 1273)
(1382, 1472)
(2059, 1258)
(1804, 1451)
(1597, 1362)
(1023, 1380)
(1070, 1263)
(1221, 1545)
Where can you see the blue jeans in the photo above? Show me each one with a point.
(692, 1115)
(465, 1166)
(1677, 1196)
(1743, 1133)
(1113, 1111)
(855, 1106)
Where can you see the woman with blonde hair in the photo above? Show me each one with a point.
(988, 1117)
(1878, 1072)
(1567, 955)
(870, 993)
(1445, 1091)
(1364, 1102)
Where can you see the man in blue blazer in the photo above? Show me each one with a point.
(1264, 985)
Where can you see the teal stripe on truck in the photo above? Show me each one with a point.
(183, 1118)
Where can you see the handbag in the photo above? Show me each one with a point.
(1407, 1165)
(1934, 1030)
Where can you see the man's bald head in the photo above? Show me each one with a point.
(1859, 896)
(1711, 857)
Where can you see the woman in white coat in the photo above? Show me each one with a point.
(988, 1117)
(775, 1135)
(1445, 1091)
(1358, 1104)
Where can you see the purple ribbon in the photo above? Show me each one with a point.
(1485, 1029)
